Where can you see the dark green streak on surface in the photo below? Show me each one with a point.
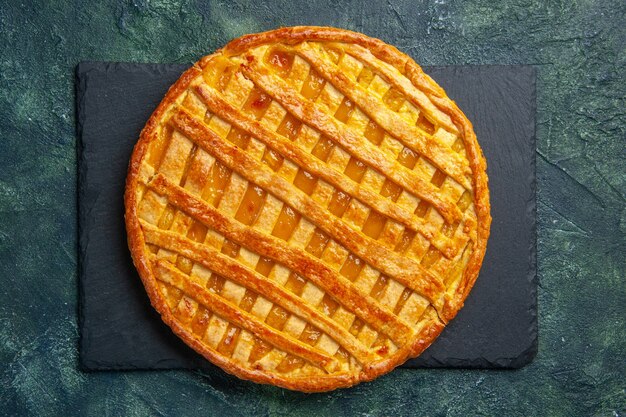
(579, 48)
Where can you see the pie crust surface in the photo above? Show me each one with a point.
(306, 208)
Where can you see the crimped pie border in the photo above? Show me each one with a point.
(436, 94)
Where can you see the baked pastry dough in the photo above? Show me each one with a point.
(307, 208)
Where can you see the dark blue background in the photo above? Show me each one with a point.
(578, 50)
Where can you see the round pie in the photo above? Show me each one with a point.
(307, 208)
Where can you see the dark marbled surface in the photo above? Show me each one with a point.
(579, 49)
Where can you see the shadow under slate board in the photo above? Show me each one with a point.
(119, 329)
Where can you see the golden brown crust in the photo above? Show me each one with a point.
(434, 316)
(333, 177)
(298, 260)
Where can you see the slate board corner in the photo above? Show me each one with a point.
(526, 357)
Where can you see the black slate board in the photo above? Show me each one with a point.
(119, 329)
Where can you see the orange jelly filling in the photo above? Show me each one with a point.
(339, 203)
(250, 205)
(287, 221)
(393, 99)
(355, 169)
(351, 267)
(289, 127)
(257, 103)
(425, 124)
(322, 148)
(216, 184)
(374, 133)
(281, 61)
(374, 224)
(312, 85)
(305, 181)
(344, 111)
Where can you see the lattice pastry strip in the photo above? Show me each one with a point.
(307, 208)
(335, 153)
